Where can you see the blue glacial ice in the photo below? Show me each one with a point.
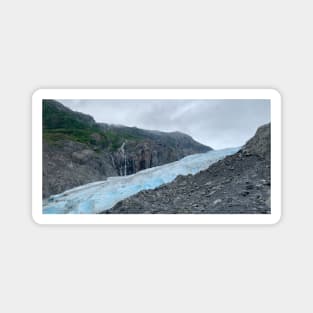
(103, 195)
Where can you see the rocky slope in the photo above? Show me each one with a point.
(77, 150)
(240, 183)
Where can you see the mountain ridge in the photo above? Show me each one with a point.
(78, 150)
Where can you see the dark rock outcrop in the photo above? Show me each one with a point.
(240, 183)
(153, 148)
(72, 164)
(77, 150)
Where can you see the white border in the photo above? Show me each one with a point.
(271, 94)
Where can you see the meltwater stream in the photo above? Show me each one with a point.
(103, 195)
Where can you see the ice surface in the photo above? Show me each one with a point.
(103, 195)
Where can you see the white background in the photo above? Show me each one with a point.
(164, 44)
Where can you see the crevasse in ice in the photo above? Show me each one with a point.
(103, 195)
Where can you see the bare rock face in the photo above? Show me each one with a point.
(238, 184)
(83, 156)
(259, 144)
(72, 164)
(137, 156)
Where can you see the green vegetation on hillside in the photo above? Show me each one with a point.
(60, 123)
(56, 116)
(108, 139)
(80, 135)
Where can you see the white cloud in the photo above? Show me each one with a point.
(217, 123)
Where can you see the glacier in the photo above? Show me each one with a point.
(102, 195)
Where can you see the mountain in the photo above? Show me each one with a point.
(77, 150)
(239, 183)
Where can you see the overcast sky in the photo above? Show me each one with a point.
(216, 123)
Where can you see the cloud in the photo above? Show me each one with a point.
(217, 123)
